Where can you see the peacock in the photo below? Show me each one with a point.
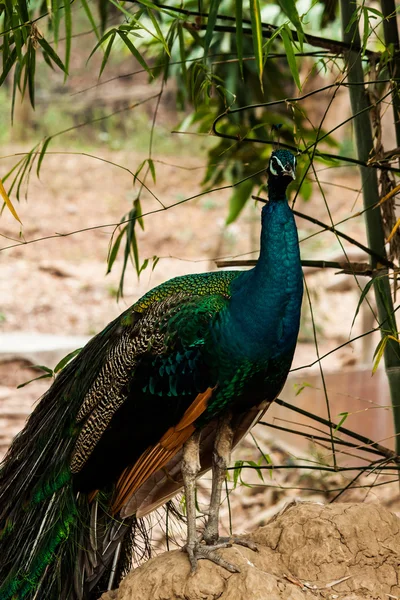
(157, 398)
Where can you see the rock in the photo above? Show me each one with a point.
(306, 552)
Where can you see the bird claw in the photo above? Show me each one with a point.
(229, 541)
(202, 551)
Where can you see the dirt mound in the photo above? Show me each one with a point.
(307, 551)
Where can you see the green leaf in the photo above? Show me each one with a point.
(56, 9)
(21, 385)
(212, 19)
(89, 15)
(256, 467)
(152, 169)
(125, 38)
(52, 53)
(64, 361)
(344, 416)
(114, 250)
(138, 208)
(237, 471)
(239, 33)
(256, 27)
(100, 42)
(155, 260)
(48, 373)
(107, 52)
(366, 31)
(240, 195)
(160, 35)
(182, 52)
(144, 265)
(380, 349)
(290, 10)
(30, 71)
(42, 153)
(12, 57)
(68, 34)
(299, 387)
(361, 300)
(290, 55)
(23, 10)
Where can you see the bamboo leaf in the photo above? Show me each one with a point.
(125, 38)
(89, 15)
(152, 169)
(12, 57)
(290, 55)
(158, 30)
(395, 228)
(240, 195)
(42, 153)
(52, 53)
(361, 300)
(256, 27)
(21, 385)
(8, 202)
(182, 52)
(290, 10)
(56, 19)
(212, 19)
(114, 250)
(239, 33)
(30, 71)
(344, 416)
(64, 361)
(380, 349)
(48, 373)
(144, 265)
(107, 52)
(100, 42)
(299, 387)
(68, 34)
(23, 10)
(155, 261)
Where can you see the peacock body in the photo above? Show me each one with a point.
(111, 439)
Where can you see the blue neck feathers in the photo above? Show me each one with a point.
(264, 313)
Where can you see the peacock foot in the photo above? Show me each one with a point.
(202, 551)
(229, 541)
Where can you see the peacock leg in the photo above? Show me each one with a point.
(220, 462)
(190, 469)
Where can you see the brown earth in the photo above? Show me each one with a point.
(306, 552)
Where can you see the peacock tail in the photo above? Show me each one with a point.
(103, 447)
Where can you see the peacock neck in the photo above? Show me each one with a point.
(265, 304)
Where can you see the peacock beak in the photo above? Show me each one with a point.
(289, 171)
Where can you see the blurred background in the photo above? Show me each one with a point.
(90, 135)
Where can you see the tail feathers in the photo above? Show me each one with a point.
(27, 552)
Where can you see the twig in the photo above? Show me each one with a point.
(268, 31)
(347, 268)
(367, 441)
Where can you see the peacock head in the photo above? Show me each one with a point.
(282, 166)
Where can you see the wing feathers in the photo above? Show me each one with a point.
(156, 457)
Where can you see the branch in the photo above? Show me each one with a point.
(382, 259)
(389, 454)
(347, 268)
(269, 30)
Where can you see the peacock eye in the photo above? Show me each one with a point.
(275, 166)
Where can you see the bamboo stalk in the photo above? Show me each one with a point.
(375, 235)
(391, 35)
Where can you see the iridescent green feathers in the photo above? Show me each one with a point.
(37, 495)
